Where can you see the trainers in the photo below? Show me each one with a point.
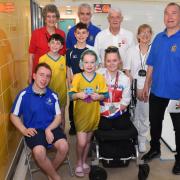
(176, 168)
(142, 147)
(151, 155)
(72, 131)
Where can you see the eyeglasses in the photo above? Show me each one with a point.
(145, 33)
(111, 49)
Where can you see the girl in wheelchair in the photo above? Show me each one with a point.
(116, 135)
(114, 110)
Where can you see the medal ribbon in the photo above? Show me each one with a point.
(143, 63)
(115, 85)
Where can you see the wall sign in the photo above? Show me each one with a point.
(102, 8)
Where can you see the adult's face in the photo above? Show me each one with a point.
(172, 17)
(42, 78)
(85, 15)
(114, 19)
(145, 36)
(51, 19)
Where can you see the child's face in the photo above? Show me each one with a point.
(81, 35)
(89, 63)
(55, 46)
(112, 62)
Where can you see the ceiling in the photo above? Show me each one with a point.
(76, 2)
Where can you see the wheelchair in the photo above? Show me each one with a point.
(115, 148)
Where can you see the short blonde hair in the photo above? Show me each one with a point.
(142, 27)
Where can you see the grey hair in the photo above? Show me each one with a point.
(114, 10)
(84, 5)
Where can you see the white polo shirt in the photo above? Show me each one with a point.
(134, 62)
(123, 40)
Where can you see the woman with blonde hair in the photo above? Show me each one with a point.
(135, 67)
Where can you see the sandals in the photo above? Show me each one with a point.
(79, 172)
(86, 168)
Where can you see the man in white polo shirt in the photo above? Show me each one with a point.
(114, 35)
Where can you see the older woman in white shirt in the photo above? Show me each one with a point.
(135, 67)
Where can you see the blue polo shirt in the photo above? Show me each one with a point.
(164, 57)
(37, 111)
(73, 56)
(71, 40)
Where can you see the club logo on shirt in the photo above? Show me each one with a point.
(173, 48)
(91, 37)
(74, 56)
(49, 101)
(62, 66)
(122, 42)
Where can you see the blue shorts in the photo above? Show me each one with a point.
(40, 138)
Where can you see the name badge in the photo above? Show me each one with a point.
(142, 73)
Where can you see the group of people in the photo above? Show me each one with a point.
(96, 68)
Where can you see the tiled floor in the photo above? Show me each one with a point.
(159, 169)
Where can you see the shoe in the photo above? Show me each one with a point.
(86, 168)
(176, 168)
(79, 171)
(151, 155)
(72, 131)
(142, 147)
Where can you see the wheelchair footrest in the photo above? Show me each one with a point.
(115, 163)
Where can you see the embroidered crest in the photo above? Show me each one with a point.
(91, 37)
(49, 101)
(173, 48)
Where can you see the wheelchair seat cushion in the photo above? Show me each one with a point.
(109, 135)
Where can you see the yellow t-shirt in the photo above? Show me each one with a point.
(87, 114)
(58, 79)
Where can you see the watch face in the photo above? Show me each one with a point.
(142, 72)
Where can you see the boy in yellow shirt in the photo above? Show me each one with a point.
(57, 63)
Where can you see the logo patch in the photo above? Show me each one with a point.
(49, 101)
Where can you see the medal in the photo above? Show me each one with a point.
(112, 109)
(142, 72)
